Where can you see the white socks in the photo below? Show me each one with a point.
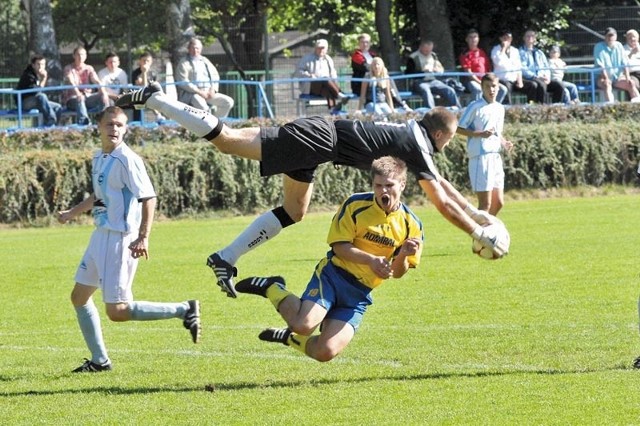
(195, 120)
(265, 227)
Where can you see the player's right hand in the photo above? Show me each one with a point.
(491, 240)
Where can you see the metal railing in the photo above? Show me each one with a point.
(278, 97)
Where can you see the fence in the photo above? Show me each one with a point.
(276, 98)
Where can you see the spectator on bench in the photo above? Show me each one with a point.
(35, 75)
(82, 99)
(610, 57)
(424, 60)
(508, 67)
(475, 61)
(535, 68)
(319, 65)
(558, 66)
(361, 61)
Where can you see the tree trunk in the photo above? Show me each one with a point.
(433, 22)
(179, 28)
(388, 46)
(42, 38)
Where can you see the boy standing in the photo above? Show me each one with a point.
(122, 203)
(482, 122)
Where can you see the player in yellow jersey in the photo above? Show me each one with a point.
(373, 236)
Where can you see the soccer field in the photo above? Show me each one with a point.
(545, 336)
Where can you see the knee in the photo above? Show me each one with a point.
(118, 312)
(326, 353)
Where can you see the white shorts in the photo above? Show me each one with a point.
(108, 264)
(486, 172)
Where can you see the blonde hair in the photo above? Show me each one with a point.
(383, 75)
(390, 167)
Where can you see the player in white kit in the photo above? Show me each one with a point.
(123, 204)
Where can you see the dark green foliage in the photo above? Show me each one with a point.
(43, 172)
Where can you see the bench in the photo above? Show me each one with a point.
(11, 115)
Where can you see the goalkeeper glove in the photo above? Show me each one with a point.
(493, 242)
(481, 217)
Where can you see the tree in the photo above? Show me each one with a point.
(42, 36)
(179, 27)
(433, 19)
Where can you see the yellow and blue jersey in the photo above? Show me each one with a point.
(363, 223)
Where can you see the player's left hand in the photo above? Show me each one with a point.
(139, 248)
(410, 246)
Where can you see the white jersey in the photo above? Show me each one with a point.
(120, 181)
(481, 115)
(116, 78)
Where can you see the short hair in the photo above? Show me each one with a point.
(389, 166)
(631, 32)
(111, 54)
(471, 31)
(36, 58)
(364, 36)
(440, 118)
(145, 55)
(489, 77)
(115, 110)
(193, 41)
(78, 48)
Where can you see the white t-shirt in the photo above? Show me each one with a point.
(120, 181)
(480, 115)
(117, 77)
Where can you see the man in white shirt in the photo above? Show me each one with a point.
(113, 75)
(508, 67)
(200, 82)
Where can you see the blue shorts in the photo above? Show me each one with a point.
(339, 292)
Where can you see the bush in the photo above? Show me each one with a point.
(46, 171)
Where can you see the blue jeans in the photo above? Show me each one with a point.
(570, 92)
(90, 102)
(426, 89)
(50, 110)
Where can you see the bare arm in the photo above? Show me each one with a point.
(400, 264)
(449, 202)
(83, 206)
(140, 246)
(378, 264)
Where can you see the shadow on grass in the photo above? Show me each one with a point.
(212, 387)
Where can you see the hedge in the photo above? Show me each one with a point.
(43, 172)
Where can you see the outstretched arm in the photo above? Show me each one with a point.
(457, 210)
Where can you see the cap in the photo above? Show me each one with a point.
(610, 30)
(322, 43)
(554, 49)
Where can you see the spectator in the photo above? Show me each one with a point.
(386, 97)
(508, 67)
(81, 99)
(142, 76)
(202, 82)
(113, 75)
(424, 60)
(610, 57)
(361, 61)
(319, 65)
(474, 60)
(632, 48)
(558, 66)
(535, 68)
(34, 76)
(482, 122)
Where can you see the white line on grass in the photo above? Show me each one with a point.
(215, 354)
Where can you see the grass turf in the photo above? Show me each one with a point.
(544, 336)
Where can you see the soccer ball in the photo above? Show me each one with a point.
(496, 229)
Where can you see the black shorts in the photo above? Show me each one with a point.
(297, 148)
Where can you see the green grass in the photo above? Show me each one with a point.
(544, 336)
